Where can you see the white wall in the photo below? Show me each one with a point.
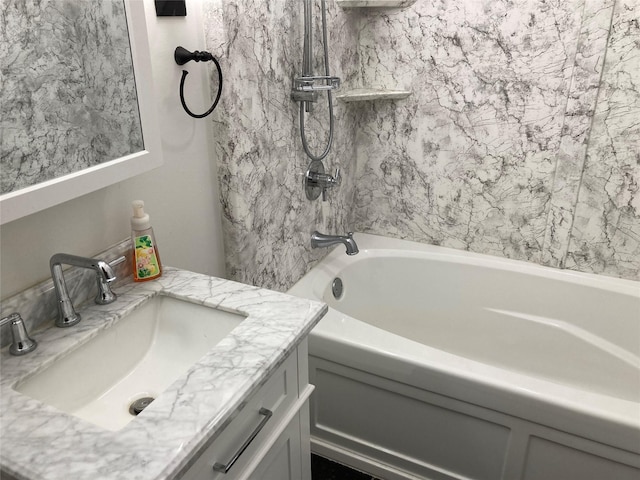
(181, 196)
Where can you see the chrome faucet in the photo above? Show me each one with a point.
(321, 240)
(67, 316)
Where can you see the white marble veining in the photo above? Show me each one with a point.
(47, 444)
(267, 219)
(605, 237)
(467, 160)
(488, 154)
(518, 139)
(375, 3)
(68, 92)
(578, 118)
(502, 148)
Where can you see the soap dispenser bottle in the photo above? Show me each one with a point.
(146, 260)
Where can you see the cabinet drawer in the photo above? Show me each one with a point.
(283, 461)
(278, 393)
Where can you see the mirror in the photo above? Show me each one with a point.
(91, 141)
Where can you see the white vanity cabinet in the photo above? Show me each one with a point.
(268, 438)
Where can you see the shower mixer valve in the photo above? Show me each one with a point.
(304, 96)
(305, 90)
(306, 86)
(317, 182)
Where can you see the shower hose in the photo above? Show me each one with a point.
(303, 135)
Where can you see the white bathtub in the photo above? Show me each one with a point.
(442, 364)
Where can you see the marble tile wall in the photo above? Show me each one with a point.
(468, 160)
(605, 237)
(510, 144)
(68, 92)
(578, 120)
(267, 219)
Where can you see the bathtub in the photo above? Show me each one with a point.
(435, 363)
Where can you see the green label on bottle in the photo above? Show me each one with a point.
(147, 265)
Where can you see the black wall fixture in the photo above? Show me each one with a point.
(171, 8)
(182, 56)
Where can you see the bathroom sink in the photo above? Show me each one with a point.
(131, 362)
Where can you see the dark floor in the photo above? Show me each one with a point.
(324, 469)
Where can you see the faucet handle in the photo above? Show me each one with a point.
(117, 261)
(105, 294)
(330, 182)
(111, 266)
(22, 343)
(337, 178)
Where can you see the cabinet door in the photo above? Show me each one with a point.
(284, 460)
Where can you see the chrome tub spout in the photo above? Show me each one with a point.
(322, 240)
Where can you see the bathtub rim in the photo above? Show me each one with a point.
(375, 245)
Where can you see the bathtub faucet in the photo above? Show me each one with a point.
(321, 240)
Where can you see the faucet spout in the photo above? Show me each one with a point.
(67, 316)
(319, 240)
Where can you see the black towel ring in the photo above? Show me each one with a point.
(182, 56)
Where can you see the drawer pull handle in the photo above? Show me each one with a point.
(219, 467)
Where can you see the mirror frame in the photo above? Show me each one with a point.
(29, 200)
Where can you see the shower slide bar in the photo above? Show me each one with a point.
(305, 88)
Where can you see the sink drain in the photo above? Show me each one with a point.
(139, 405)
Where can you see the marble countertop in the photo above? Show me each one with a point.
(40, 442)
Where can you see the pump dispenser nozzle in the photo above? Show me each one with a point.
(140, 220)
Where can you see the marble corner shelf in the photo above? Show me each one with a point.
(371, 94)
(375, 3)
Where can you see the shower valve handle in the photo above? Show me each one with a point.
(324, 180)
(317, 182)
(337, 178)
(331, 182)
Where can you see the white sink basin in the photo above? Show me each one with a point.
(140, 356)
